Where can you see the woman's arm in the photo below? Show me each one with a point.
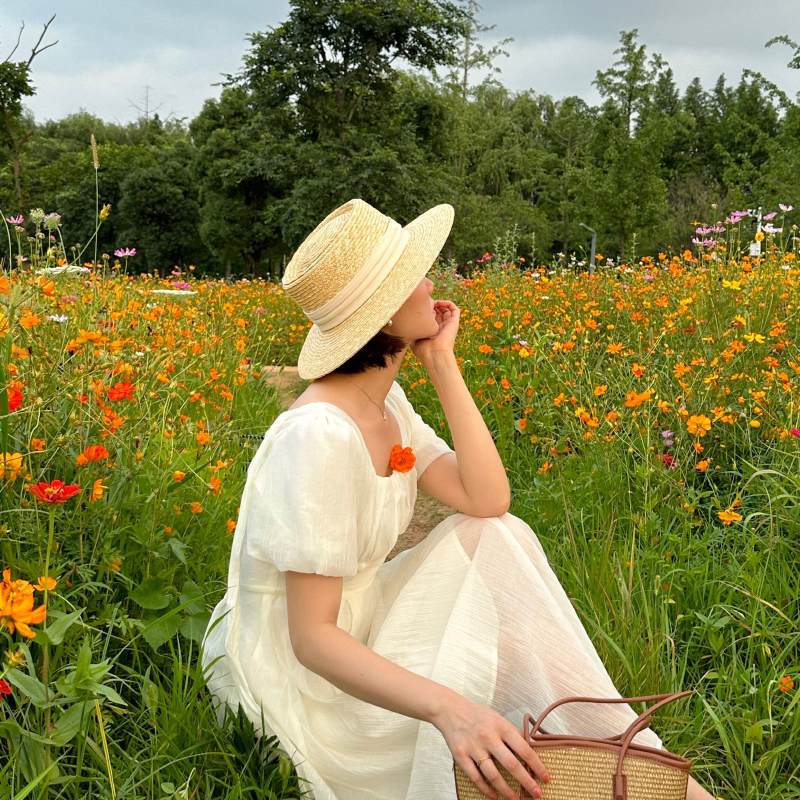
(470, 730)
(476, 478)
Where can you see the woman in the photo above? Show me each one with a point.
(375, 675)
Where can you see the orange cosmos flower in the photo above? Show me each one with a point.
(699, 424)
(230, 525)
(702, 465)
(16, 606)
(635, 399)
(55, 492)
(600, 390)
(637, 370)
(114, 564)
(729, 516)
(51, 584)
(29, 320)
(614, 349)
(786, 683)
(121, 391)
(14, 397)
(178, 475)
(97, 490)
(402, 458)
(5, 286)
(203, 438)
(95, 452)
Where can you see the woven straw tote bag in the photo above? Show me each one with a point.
(589, 768)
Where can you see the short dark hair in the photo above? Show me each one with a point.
(375, 353)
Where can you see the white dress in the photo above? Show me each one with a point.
(475, 606)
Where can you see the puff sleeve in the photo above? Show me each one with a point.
(426, 444)
(304, 508)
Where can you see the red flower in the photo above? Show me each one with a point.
(14, 399)
(4, 687)
(401, 459)
(667, 460)
(54, 492)
(121, 391)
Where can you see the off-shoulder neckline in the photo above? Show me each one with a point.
(400, 423)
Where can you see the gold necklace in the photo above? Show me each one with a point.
(385, 418)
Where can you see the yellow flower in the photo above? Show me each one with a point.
(760, 236)
(11, 466)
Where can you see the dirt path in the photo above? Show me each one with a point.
(428, 512)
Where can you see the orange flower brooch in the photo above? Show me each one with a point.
(402, 458)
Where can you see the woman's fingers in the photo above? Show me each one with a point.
(528, 754)
(510, 761)
(476, 776)
(494, 776)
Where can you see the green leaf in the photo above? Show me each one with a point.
(191, 591)
(55, 633)
(83, 663)
(69, 722)
(754, 734)
(150, 594)
(194, 626)
(31, 687)
(177, 547)
(161, 629)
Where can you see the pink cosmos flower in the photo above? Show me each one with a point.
(16, 220)
(128, 251)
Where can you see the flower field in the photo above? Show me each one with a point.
(648, 415)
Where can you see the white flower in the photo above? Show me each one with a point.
(57, 317)
(70, 270)
(172, 291)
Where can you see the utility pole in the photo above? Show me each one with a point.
(755, 247)
(594, 243)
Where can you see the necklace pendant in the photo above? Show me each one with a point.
(384, 415)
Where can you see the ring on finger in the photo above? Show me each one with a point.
(478, 762)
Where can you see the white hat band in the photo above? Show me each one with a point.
(358, 289)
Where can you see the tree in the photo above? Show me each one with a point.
(15, 83)
(332, 59)
(630, 82)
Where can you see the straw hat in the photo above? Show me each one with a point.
(353, 271)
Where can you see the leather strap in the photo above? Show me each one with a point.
(619, 780)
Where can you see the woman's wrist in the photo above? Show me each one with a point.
(444, 702)
(440, 364)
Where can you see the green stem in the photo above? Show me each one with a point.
(46, 657)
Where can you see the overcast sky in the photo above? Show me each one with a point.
(109, 51)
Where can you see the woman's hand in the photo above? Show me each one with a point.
(473, 731)
(447, 315)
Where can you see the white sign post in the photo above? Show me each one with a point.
(755, 247)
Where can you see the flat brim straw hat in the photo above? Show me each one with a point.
(353, 272)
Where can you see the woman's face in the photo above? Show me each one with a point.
(415, 319)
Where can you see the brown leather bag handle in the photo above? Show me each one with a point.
(581, 699)
(619, 780)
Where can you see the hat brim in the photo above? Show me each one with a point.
(323, 351)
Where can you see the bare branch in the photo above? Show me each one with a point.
(19, 37)
(36, 49)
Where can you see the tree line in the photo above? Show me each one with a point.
(320, 112)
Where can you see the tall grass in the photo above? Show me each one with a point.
(680, 552)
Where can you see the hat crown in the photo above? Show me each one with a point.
(333, 253)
